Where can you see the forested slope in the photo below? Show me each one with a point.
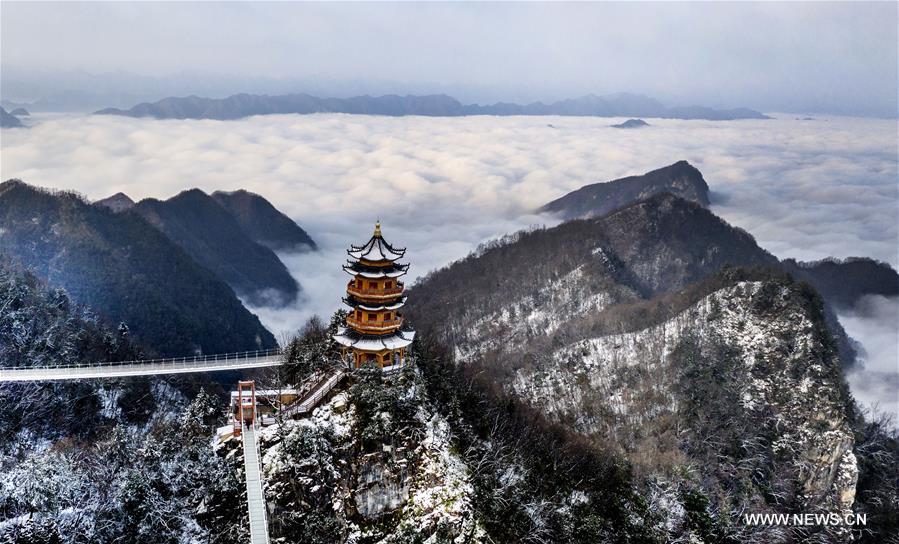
(127, 271)
(94, 461)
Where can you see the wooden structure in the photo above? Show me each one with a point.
(245, 409)
(375, 331)
(265, 403)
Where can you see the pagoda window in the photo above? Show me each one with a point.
(372, 285)
(388, 285)
(372, 317)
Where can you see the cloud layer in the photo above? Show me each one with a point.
(875, 383)
(804, 189)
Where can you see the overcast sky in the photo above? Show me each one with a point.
(771, 56)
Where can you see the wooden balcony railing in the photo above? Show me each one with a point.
(374, 293)
(375, 326)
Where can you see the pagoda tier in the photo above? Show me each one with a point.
(375, 331)
(389, 270)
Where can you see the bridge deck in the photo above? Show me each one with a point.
(180, 365)
(255, 498)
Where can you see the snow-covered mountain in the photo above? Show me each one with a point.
(650, 375)
(662, 334)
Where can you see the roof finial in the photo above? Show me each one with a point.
(378, 227)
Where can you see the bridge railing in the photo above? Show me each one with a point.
(197, 360)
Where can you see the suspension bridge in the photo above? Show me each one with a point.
(256, 508)
(146, 367)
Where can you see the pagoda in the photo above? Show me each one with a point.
(374, 331)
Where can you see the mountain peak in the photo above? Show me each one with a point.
(263, 222)
(216, 239)
(118, 202)
(681, 179)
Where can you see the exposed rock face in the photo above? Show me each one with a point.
(782, 376)
(742, 386)
(680, 178)
(324, 481)
(382, 484)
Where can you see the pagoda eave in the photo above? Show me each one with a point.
(351, 339)
(363, 306)
(366, 274)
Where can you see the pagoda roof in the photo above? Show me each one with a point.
(370, 342)
(395, 270)
(353, 303)
(376, 249)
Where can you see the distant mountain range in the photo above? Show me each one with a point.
(127, 270)
(245, 105)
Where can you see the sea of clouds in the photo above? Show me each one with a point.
(807, 189)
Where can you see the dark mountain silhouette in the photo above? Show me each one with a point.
(9, 121)
(843, 282)
(680, 178)
(263, 222)
(631, 123)
(127, 270)
(118, 202)
(245, 105)
(214, 238)
(20, 112)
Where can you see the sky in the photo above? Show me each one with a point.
(773, 56)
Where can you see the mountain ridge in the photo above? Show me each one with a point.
(127, 270)
(263, 222)
(437, 105)
(680, 178)
(211, 235)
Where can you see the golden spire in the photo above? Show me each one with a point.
(378, 228)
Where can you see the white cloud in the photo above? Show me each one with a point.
(805, 189)
(875, 381)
